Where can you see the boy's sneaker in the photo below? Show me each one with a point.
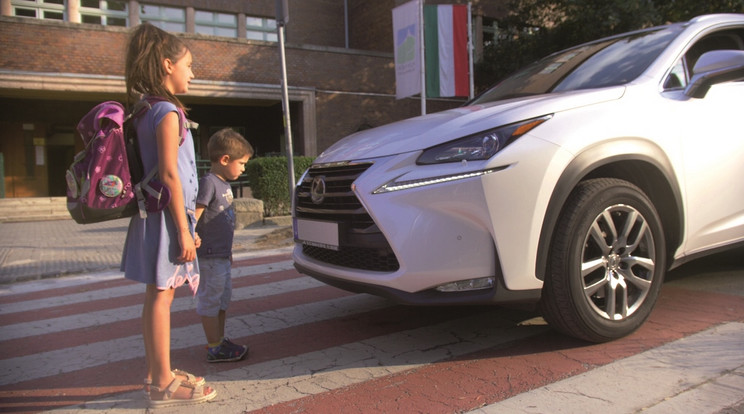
(226, 352)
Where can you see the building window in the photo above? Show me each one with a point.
(218, 24)
(39, 9)
(492, 35)
(170, 19)
(258, 28)
(105, 12)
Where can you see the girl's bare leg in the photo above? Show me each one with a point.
(156, 333)
(146, 335)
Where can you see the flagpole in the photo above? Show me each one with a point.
(282, 14)
(470, 52)
(423, 59)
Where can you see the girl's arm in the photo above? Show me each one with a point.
(168, 142)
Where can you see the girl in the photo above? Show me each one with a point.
(160, 250)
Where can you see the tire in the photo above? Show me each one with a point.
(624, 266)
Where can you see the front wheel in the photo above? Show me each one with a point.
(607, 262)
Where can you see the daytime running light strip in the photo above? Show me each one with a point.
(404, 185)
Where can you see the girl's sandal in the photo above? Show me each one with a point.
(166, 397)
(188, 378)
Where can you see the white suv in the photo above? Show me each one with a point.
(576, 184)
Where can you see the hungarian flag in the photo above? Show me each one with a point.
(446, 45)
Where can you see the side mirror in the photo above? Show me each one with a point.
(715, 67)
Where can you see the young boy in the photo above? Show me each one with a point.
(228, 154)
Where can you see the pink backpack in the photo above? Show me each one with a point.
(106, 180)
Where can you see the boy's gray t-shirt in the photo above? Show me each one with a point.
(216, 226)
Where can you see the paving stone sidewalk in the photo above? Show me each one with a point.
(53, 248)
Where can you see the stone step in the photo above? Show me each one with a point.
(248, 211)
(33, 209)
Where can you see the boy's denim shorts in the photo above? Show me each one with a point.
(215, 286)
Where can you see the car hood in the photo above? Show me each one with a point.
(425, 131)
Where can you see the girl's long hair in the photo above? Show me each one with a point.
(148, 47)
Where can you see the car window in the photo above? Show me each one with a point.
(607, 62)
(677, 77)
(682, 71)
(727, 40)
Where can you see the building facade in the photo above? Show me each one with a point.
(58, 58)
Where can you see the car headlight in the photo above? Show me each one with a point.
(480, 146)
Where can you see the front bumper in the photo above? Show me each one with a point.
(431, 297)
(404, 244)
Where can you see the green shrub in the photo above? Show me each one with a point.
(267, 177)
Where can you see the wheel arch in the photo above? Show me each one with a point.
(637, 161)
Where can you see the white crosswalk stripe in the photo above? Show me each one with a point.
(97, 318)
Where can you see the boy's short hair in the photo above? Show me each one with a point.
(228, 142)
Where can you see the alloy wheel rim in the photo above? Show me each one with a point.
(618, 262)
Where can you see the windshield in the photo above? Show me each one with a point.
(607, 62)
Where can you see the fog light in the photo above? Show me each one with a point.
(466, 285)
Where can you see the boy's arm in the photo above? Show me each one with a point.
(199, 211)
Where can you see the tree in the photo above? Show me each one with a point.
(680, 10)
(537, 28)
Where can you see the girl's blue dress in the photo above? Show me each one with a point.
(152, 246)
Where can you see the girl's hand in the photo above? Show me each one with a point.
(188, 247)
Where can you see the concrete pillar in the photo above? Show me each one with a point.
(5, 9)
(242, 31)
(73, 11)
(134, 18)
(190, 20)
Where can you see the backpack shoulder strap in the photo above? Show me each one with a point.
(146, 103)
(139, 109)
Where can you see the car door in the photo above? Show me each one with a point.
(712, 140)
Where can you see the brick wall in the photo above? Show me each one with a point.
(316, 22)
(87, 49)
(36, 46)
(371, 25)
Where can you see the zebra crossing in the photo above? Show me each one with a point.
(73, 344)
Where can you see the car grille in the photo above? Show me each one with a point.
(361, 243)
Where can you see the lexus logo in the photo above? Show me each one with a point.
(318, 189)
